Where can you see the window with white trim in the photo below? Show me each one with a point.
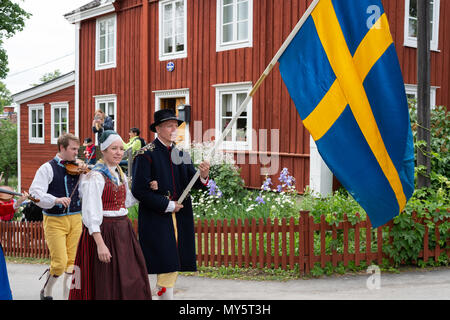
(108, 104)
(59, 120)
(411, 23)
(234, 24)
(411, 94)
(172, 29)
(229, 98)
(106, 35)
(36, 123)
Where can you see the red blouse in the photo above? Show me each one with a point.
(7, 210)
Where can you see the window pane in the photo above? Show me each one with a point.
(56, 115)
(40, 116)
(168, 12)
(63, 128)
(224, 125)
(64, 115)
(242, 30)
(412, 30)
(33, 116)
(110, 54)
(239, 100)
(227, 105)
(102, 56)
(241, 129)
(227, 14)
(179, 9)
(102, 28)
(179, 43)
(102, 42)
(56, 132)
(413, 8)
(33, 131)
(111, 109)
(228, 33)
(179, 26)
(168, 45)
(242, 11)
(40, 133)
(167, 29)
(111, 40)
(225, 2)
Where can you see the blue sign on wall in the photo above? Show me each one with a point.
(170, 66)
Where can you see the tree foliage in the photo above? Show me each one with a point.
(8, 148)
(12, 20)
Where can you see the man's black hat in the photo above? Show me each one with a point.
(164, 115)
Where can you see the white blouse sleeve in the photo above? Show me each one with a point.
(130, 200)
(91, 190)
(39, 186)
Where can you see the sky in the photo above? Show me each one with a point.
(46, 43)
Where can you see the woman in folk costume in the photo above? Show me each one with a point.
(8, 207)
(109, 262)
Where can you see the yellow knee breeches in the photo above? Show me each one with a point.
(62, 235)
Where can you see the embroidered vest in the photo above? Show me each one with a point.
(113, 197)
(62, 186)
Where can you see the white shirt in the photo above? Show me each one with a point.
(91, 190)
(39, 186)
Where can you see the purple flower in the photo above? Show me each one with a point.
(213, 189)
(259, 199)
(266, 184)
(279, 188)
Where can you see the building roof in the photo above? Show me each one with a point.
(90, 10)
(43, 89)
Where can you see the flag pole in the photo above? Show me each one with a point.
(252, 92)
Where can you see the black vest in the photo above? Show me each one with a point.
(62, 186)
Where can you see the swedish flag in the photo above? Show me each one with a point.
(342, 72)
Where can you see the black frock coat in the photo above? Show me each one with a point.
(155, 226)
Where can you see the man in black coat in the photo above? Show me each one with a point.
(166, 227)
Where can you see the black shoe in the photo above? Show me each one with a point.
(44, 297)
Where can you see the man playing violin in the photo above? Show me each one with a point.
(57, 191)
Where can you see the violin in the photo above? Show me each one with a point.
(7, 193)
(74, 169)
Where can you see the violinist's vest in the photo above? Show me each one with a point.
(62, 186)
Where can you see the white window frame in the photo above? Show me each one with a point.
(235, 44)
(106, 64)
(234, 88)
(175, 55)
(53, 107)
(107, 99)
(411, 89)
(412, 41)
(36, 107)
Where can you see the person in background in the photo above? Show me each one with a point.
(101, 123)
(89, 152)
(135, 142)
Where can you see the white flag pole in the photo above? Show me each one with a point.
(252, 92)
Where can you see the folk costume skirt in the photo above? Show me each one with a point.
(5, 290)
(123, 278)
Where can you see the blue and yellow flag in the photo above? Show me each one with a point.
(342, 72)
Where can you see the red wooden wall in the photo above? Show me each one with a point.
(33, 155)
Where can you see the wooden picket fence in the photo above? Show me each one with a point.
(257, 243)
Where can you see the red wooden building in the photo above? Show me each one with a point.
(137, 56)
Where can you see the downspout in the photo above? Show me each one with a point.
(144, 71)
